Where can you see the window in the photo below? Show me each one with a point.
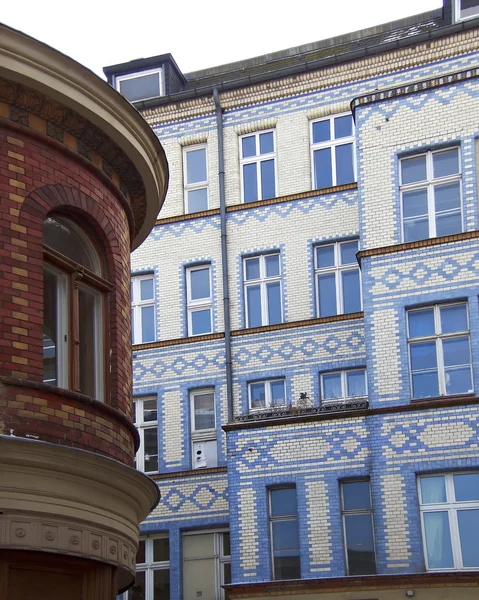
(466, 9)
(195, 174)
(358, 528)
(141, 86)
(143, 309)
(439, 352)
(431, 194)
(284, 533)
(206, 564)
(203, 429)
(262, 276)
(74, 308)
(266, 394)
(152, 580)
(338, 282)
(332, 151)
(449, 506)
(258, 173)
(146, 421)
(343, 385)
(198, 288)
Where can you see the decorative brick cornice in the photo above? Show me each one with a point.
(414, 88)
(437, 241)
(188, 217)
(189, 473)
(179, 341)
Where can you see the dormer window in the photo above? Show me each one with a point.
(466, 9)
(141, 86)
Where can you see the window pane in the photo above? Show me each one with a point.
(423, 356)
(287, 567)
(458, 380)
(250, 183)
(356, 495)
(445, 163)
(52, 284)
(201, 321)
(321, 131)
(204, 407)
(200, 283)
(448, 224)
(89, 352)
(272, 265)
(348, 253)
(151, 449)
(197, 200)
(332, 386)
(273, 293)
(226, 544)
(453, 318)
(150, 410)
(137, 592)
(161, 583)
(196, 166)
(268, 186)
(146, 289)
(447, 196)
(283, 502)
(327, 295)
(456, 351)
(356, 383)
(141, 87)
(324, 256)
(257, 395)
(438, 540)
(323, 174)
(252, 268)
(466, 487)
(425, 385)
(433, 490)
(140, 555)
(248, 146)
(344, 164)
(413, 169)
(351, 291)
(468, 521)
(469, 8)
(343, 126)
(285, 538)
(68, 239)
(360, 544)
(421, 322)
(278, 396)
(253, 294)
(414, 203)
(417, 229)
(147, 324)
(266, 143)
(161, 549)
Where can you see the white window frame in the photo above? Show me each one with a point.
(429, 184)
(267, 392)
(274, 519)
(137, 304)
(438, 337)
(191, 187)
(344, 386)
(143, 425)
(219, 557)
(451, 506)
(201, 303)
(337, 269)
(262, 282)
(332, 143)
(206, 436)
(139, 74)
(62, 326)
(457, 12)
(257, 160)
(149, 567)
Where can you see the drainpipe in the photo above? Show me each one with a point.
(224, 254)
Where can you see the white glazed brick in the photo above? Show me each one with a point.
(173, 427)
(249, 542)
(302, 383)
(396, 519)
(293, 158)
(319, 525)
(385, 333)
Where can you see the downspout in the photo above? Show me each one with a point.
(224, 254)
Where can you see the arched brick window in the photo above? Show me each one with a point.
(75, 324)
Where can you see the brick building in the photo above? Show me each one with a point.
(306, 319)
(82, 178)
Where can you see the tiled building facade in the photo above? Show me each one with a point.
(339, 456)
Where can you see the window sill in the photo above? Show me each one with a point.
(442, 399)
(288, 411)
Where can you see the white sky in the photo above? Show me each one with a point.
(198, 33)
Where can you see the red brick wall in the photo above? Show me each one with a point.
(39, 176)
